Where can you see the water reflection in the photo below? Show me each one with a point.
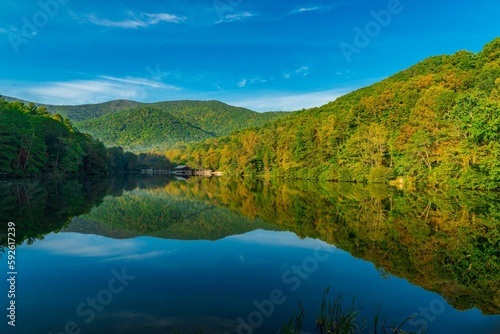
(444, 242)
(448, 242)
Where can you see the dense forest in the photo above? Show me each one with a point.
(436, 123)
(35, 142)
(161, 126)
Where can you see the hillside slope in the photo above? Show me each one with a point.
(142, 129)
(34, 142)
(437, 122)
(162, 125)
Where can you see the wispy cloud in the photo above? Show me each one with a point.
(284, 239)
(301, 10)
(143, 20)
(246, 82)
(302, 71)
(235, 17)
(86, 245)
(308, 9)
(164, 17)
(287, 101)
(242, 83)
(140, 82)
(101, 89)
(140, 256)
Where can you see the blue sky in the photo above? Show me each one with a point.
(264, 55)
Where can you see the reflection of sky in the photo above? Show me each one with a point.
(186, 285)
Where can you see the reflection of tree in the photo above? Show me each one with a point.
(39, 207)
(154, 212)
(446, 242)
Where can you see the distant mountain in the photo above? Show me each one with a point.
(142, 129)
(142, 126)
(163, 124)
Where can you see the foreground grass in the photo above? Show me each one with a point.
(335, 318)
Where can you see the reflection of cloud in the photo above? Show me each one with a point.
(287, 239)
(138, 256)
(85, 245)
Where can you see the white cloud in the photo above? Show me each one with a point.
(140, 82)
(304, 70)
(235, 17)
(239, 16)
(142, 21)
(283, 101)
(164, 17)
(308, 9)
(101, 89)
(242, 83)
(2, 31)
(132, 23)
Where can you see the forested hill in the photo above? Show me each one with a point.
(143, 126)
(34, 142)
(437, 122)
(81, 112)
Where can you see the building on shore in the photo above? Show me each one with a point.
(182, 170)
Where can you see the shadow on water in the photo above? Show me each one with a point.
(445, 241)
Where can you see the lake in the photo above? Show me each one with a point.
(155, 254)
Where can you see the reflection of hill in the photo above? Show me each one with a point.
(39, 207)
(160, 214)
(445, 242)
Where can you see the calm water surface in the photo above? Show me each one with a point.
(160, 255)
